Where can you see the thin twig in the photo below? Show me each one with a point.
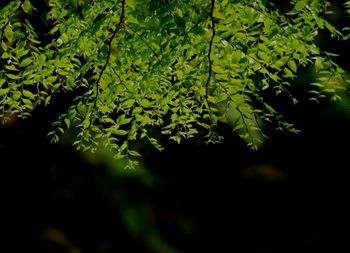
(210, 70)
(116, 30)
(119, 77)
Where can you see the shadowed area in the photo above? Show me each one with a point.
(289, 196)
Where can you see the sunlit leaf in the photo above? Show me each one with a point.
(27, 7)
(4, 91)
(26, 62)
(120, 132)
(131, 70)
(28, 94)
(8, 33)
(292, 65)
(12, 76)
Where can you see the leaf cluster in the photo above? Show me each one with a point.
(179, 66)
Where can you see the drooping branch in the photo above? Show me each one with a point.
(210, 69)
(115, 32)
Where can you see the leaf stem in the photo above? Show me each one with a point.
(116, 30)
(210, 69)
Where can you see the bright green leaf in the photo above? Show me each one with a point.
(81, 109)
(8, 33)
(300, 4)
(27, 7)
(67, 121)
(12, 76)
(11, 67)
(292, 65)
(4, 91)
(133, 153)
(120, 132)
(5, 55)
(124, 121)
(218, 69)
(28, 94)
(26, 62)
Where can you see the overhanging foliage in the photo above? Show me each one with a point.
(179, 66)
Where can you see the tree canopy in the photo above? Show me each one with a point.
(181, 67)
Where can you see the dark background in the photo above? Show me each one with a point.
(290, 196)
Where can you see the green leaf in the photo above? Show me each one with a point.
(131, 3)
(18, 35)
(145, 103)
(28, 103)
(301, 4)
(86, 123)
(331, 28)
(25, 62)
(319, 22)
(12, 76)
(81, 109)
(265, 84)
(133, 153)
(120, 132)
(292, 65)
(27, 7)
(2, 81)
(11, 67)
(8, 33)
(67, 121)
(126, 75)
(16, 95)
(5, 55)
(4, 91)
(274, 77)
(124, 121)
(288, 73)
(218, 14)
(28, 94)
(218, 69)
(21, 53)
(132, 19)
(262, 55)
(272, 32)
(107, 120)
(128, 103)
(33, 40)
(4, 46)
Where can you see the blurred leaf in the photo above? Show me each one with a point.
(27, 7)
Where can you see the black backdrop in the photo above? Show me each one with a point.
(291, 196)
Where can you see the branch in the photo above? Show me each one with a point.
(118, 76)
(116, 30)
(246, 126)
(210, 70)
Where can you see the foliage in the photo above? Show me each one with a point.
(178, 66)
